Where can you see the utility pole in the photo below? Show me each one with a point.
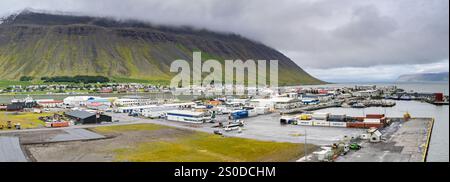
(305, 146)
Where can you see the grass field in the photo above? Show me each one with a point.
(143, 81)
(6, 83)
(199, 147)
(26, 120)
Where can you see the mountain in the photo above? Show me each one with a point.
(43, 44)
(424, 77)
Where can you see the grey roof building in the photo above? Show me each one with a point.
(84, 117)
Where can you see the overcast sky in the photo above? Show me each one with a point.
(335, 40)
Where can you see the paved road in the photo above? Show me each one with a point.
(75, 135)
(10, 150)
(265, 127)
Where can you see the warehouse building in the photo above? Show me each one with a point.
(84, 117)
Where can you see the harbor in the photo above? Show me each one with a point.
(384, 130)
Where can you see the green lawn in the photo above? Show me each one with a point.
(201, 147)
(6, 83)
(26, 120)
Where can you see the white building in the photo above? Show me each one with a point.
(149, 110)
(276, 103)
(130, 101)
(50, 103)
(159, 110)
(188, 116)
(77, 101)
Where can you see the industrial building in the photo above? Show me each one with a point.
(188, 116)
(130, 101)
(277, 103)
(84, 117)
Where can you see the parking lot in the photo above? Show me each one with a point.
(264, 127)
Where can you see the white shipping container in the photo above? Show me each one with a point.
(320, 116)
(372, 120)
(321, 123)
(304, 123)
(338, 124)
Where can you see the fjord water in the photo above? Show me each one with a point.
(439, 144)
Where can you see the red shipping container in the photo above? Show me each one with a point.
(359, 118)
(373, 125)
(60, 124)
(375, 116)
(355, 125)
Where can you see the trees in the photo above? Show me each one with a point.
(77, 79)
(26, 78)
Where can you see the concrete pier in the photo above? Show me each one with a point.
(403, 142)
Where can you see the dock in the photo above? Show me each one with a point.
(402, 142)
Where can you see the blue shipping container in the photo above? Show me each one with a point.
(239, 114)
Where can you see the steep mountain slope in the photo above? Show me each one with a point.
(39, 44)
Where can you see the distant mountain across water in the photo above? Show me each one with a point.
(425, 77)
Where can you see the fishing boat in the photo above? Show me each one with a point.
(359, 105)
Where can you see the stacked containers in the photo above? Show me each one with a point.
(321, 123)
(375, 120)
(355, 125)
(338, 124)
(320, 119)
(337, 118)
(375, 116)
(320, 116)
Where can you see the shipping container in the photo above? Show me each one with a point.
(239, 114)
(375, 116)
(338, 124)
(304, 123)
(341, 118)
(360, 119)
(60, 124)
(355, 125)
(367, 120)
(373, 125)
(320, 116)
(305, 117)
(321, 123)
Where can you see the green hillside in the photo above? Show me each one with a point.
(35, 44)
